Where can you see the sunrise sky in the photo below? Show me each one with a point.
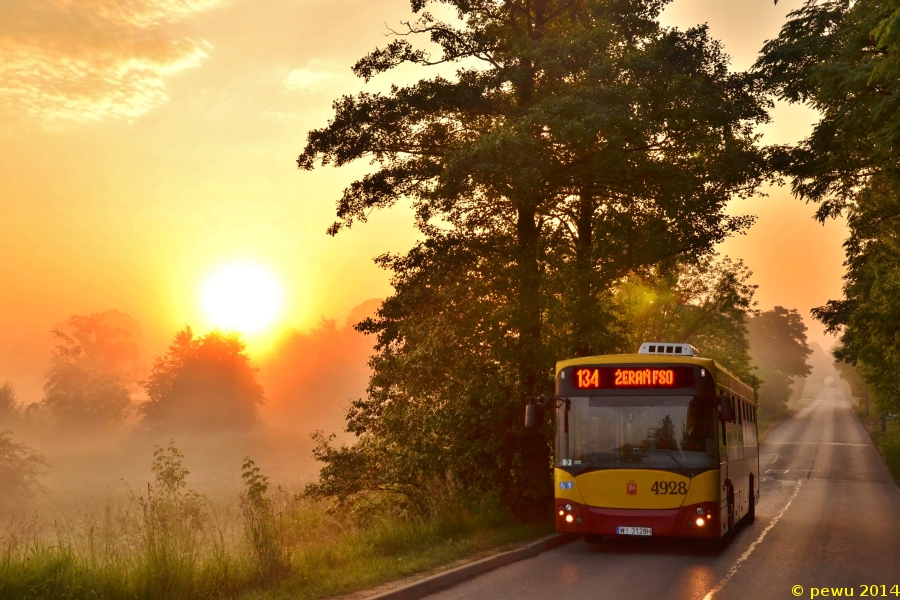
(144, 144)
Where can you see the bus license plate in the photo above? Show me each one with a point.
(634, 530)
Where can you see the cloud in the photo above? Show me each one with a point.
(87, 60)
(305, 80)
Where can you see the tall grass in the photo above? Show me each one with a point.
(170, 542)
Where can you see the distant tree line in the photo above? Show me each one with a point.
(95, 384)
(92, 389)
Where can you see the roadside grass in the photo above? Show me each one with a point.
(172, 543)
(889, 444)
(391, 550)
(766, 424)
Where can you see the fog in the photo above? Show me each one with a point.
(308, 378)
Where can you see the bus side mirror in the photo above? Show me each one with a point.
(531, 417)
(726, 410)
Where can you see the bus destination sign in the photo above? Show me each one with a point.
(610, 378)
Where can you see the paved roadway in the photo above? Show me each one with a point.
(829, 516)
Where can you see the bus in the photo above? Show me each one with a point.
(659, 443)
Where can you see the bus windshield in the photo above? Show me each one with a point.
(675, 433)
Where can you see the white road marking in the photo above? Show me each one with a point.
(752, 547)
(819, 444)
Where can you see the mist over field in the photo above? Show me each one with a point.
(95, 442)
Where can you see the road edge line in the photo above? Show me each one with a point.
(447, 579)
(737, 564)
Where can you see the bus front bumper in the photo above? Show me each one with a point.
(572, 517)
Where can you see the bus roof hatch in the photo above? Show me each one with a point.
(664, 348)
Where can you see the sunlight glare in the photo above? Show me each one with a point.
(242, 297)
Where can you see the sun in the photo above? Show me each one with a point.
(242, 297)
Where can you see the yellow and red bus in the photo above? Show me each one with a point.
(658, 443)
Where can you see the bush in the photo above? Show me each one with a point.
(262, 527)
(173, 521)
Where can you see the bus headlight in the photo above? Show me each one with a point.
(700, 511)
(568, 507)
(700, 522)
(569, 518)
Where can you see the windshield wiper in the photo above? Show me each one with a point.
(681, 466)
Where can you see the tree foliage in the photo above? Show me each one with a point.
(778, 348)
(9, 403)
(853, 376)
(92, 372)
(20, 467)
(706, 304)
(578, 141)
(842, 57)
(202, 384)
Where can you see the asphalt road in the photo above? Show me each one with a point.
(829, 516)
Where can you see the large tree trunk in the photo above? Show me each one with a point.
(528, 300)
(532, 490)
(583, 304)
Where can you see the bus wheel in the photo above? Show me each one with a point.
(751, 510)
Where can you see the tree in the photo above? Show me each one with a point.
(779, 349)
(588, 141)
(202, 384)
(842, 57)
(9, 403)
(20, 467)
(305, 371)
(91, 373)
(852, 376)
(705, 304)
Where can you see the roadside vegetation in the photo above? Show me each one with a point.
(168, 541)
(780, 352)
(766, 424)
(889, 444)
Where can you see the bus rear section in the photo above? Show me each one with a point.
(640, 450)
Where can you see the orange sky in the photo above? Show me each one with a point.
(143, 143)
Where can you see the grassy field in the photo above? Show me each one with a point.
(169, 542)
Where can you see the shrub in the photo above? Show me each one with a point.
(173, 522)
(263, 529)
